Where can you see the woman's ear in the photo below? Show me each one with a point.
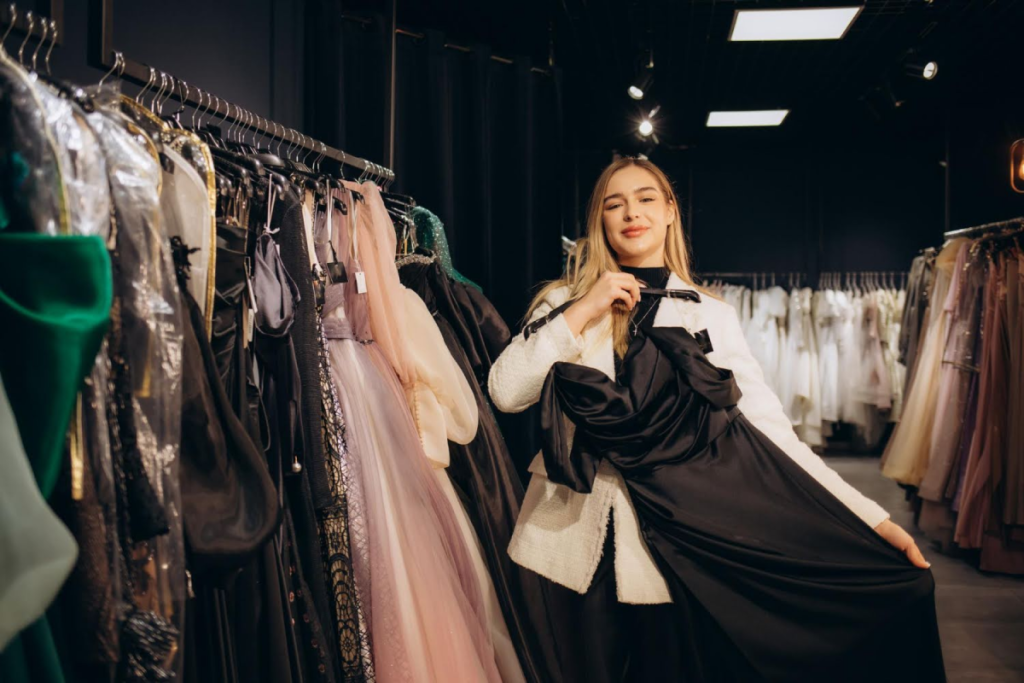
(672, 213)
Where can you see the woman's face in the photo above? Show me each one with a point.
(636, 218)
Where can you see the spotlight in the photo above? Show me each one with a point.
(646, 127)
(639, 87)
(926, 71)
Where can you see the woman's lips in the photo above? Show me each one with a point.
(634, 232)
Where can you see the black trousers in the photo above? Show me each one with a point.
(611, 641)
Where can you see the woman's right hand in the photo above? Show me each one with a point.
(611, 287)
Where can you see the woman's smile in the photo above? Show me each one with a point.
(635, 231)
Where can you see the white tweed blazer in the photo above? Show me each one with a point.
(560, 533)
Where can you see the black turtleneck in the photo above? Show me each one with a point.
(652, 277)
(645, 311)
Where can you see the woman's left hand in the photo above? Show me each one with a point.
(903, 542)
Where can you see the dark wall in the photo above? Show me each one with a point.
(248, 52)
(981, 132)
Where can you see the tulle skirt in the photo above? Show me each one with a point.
(413, 572)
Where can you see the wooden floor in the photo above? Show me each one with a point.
(981, 616)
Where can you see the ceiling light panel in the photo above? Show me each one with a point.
(746, 119)
(829, 23)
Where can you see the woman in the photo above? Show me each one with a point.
(686, 527)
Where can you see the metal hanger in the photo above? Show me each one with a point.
(152, 78)
(39, 45)
(53, 44)
(31, 18)
(12, 9)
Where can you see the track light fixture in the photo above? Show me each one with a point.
(926, 71)
(646, 128)
(641, 85)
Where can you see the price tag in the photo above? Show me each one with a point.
(361, 282)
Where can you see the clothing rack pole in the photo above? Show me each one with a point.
(366, 21)
(102, 55)
(987, 227)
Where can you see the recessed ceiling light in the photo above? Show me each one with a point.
(829, 23)
(744, 119)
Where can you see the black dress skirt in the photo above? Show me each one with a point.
(774, 577)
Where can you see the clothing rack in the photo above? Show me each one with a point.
(104, 56)
(987, 227)
(769, 278)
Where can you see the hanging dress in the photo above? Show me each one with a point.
(415, 578)
(906, 455)
(775, 577)
(484, 477)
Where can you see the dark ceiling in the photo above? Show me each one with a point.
(832, 87)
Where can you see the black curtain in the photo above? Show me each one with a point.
(477, 141)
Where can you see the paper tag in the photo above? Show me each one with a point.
(361, 282)
(252, 296)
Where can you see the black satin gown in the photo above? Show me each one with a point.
(772, 576)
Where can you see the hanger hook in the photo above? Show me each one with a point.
(163, 82)
(39, 45)
(31, 18)
(229, 122)
(290, 142)
(233, 127)
(257, 132)
(251, 130)
(12, 9)
(112, 69)
(145, 88)
(53, 43)
(256, 129)
(246, 120)
(244, 130)
(198, 110)
(275, 137)
(184, 97)
(243, 125)
(172, 83)
(239, 123)
(205, 114)
(263, 130)
(225, 124)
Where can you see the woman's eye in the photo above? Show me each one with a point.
(612, 206)
(647, 199)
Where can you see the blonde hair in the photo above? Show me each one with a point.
(594, 255)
